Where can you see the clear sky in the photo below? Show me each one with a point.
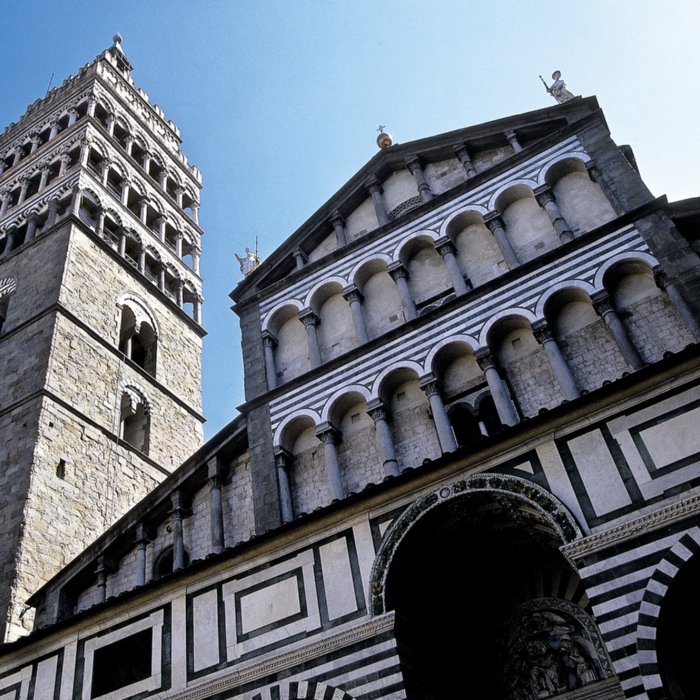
(278, 100)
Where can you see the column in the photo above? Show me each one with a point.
(545, 198)
(142, 261)
(146, 162)
(385, 442)
(161, 222)
(400, 276)
(101, 579)
(105, 171)
(177, 513)
(141, 542)
(65, 162)
(84, 152)
(674, 294)
(34, 140)
(3, 165)
(269, 344)
(513, 141)
(179, 292)
(18, 155)
(328, 435)
(23, 189)
(161, 277)
(72, 116)
(178, 196)
(143, 209)
(44, 177)
(5, 196)
(310, 321)
(299, 258)
(446, 248)
(197, 309)
(122, 242)
(465, 159)
(31, 226)
(498, 229)
(602, 303)
(375, 191)
(53, 211)
(338, 223)
(195, 212)
(282, 461)
(162, 178)
(497, 388)
(446, 437)
(561, 369)
(353, 296)
(128, 144)
(215, 506)
(416, 168)
(91, 104)
(76, 200)
(110, 124)
(11, 237)
(196, 255)
(178, 244)
(54, 129)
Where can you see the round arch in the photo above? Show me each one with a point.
(559, 287)
(544, 174)
(408, 365)
(338, 396)
(497, 198)
(291, 418)
(412, 239)
(470, 213)
(512, 312)
(277, 308)
(320, 287)
(467, 340)
(621, 258)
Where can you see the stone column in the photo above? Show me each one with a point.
(65, 162)
(513, 141)
(446, 437)
(561, 369)
(146, 162)
(143, 209)
(385, 442)
(310, 321)
(375, 191)
(128, 144)
(141, 542)
(162, 178)
(177, 512)
(498, 229)
(110, 124)
(545, 198)
(178, 196)
(72, 116)
(18, 155)
(338, 223)
(446, 248)
(101, 579)
(161, 221)
(400, 276)
(416, 168)
(54, 129)
(352, 295)
(31, 226)
(91, 104)
(497, 388)
(674, 294)
(11, 237)
(465, 159)
(34, 142)
(161, 274)
(23, 189)
(179, 292)
(195, 212)
(197, 309)
(299, 258)
(328, 435)
(44, 177)
(282, 461)
(196, 255)
(142, 261)
(76, 200)
(105, 171)
(178, 244)
(602, 303)
(122, 242)
(5, 196)
(215, 506)
(269, 344)
(84, 152)
(53, 211)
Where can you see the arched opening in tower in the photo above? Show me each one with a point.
(487, 606)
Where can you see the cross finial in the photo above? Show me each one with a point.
(381, 128)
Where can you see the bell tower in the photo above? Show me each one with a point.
(100, 313)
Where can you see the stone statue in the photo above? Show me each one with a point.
(248, 262)
(558, 88)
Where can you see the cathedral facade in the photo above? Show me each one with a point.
(467, 461)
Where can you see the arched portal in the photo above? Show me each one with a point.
(486, 605)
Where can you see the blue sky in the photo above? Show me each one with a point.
(278, 101)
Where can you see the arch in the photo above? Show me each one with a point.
(289, 420)
(509, 192)
(320, 291)
(96, 200)
(512, 312)
(368, 267)
(657, 587)
(8, 286)
(413, 240)
(140, 308)
(163, 562)
(408, 365)
(468, 340)
(302, 690)
(471, 213)
(559, 287)
(281, 309)
(119, 168)
(546, 176)
(134, 418)
(550, 508)
(337, 398)
(628, 256)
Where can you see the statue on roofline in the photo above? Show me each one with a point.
(248, 262)
(558, 88)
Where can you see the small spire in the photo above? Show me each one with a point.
(117, 39)
(384, 140)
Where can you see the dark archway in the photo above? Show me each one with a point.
(679, 621)
(459, 582)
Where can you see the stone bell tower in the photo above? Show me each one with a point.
(100, 335)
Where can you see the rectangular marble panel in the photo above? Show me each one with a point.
(271, 604)
(672, 440)
(338, 579)
(45, 682)
(205, 624)
(599, 473)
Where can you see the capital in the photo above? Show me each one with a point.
(269, 340)
(397, 270)
(283, 458)
(542, 331)
(602, 302)
(414, 163)
(429, 384)
(661, 278)
(327, 434)
(485, 359)
(308, 317)
(377, 410)
(494, 221)
(544, 194)
(337, 219)
(351, 294)
(373, 185)
(444, 246)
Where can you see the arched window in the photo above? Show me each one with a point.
(137, 336)
(163, 564)
(135, 419)
(7, 288)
